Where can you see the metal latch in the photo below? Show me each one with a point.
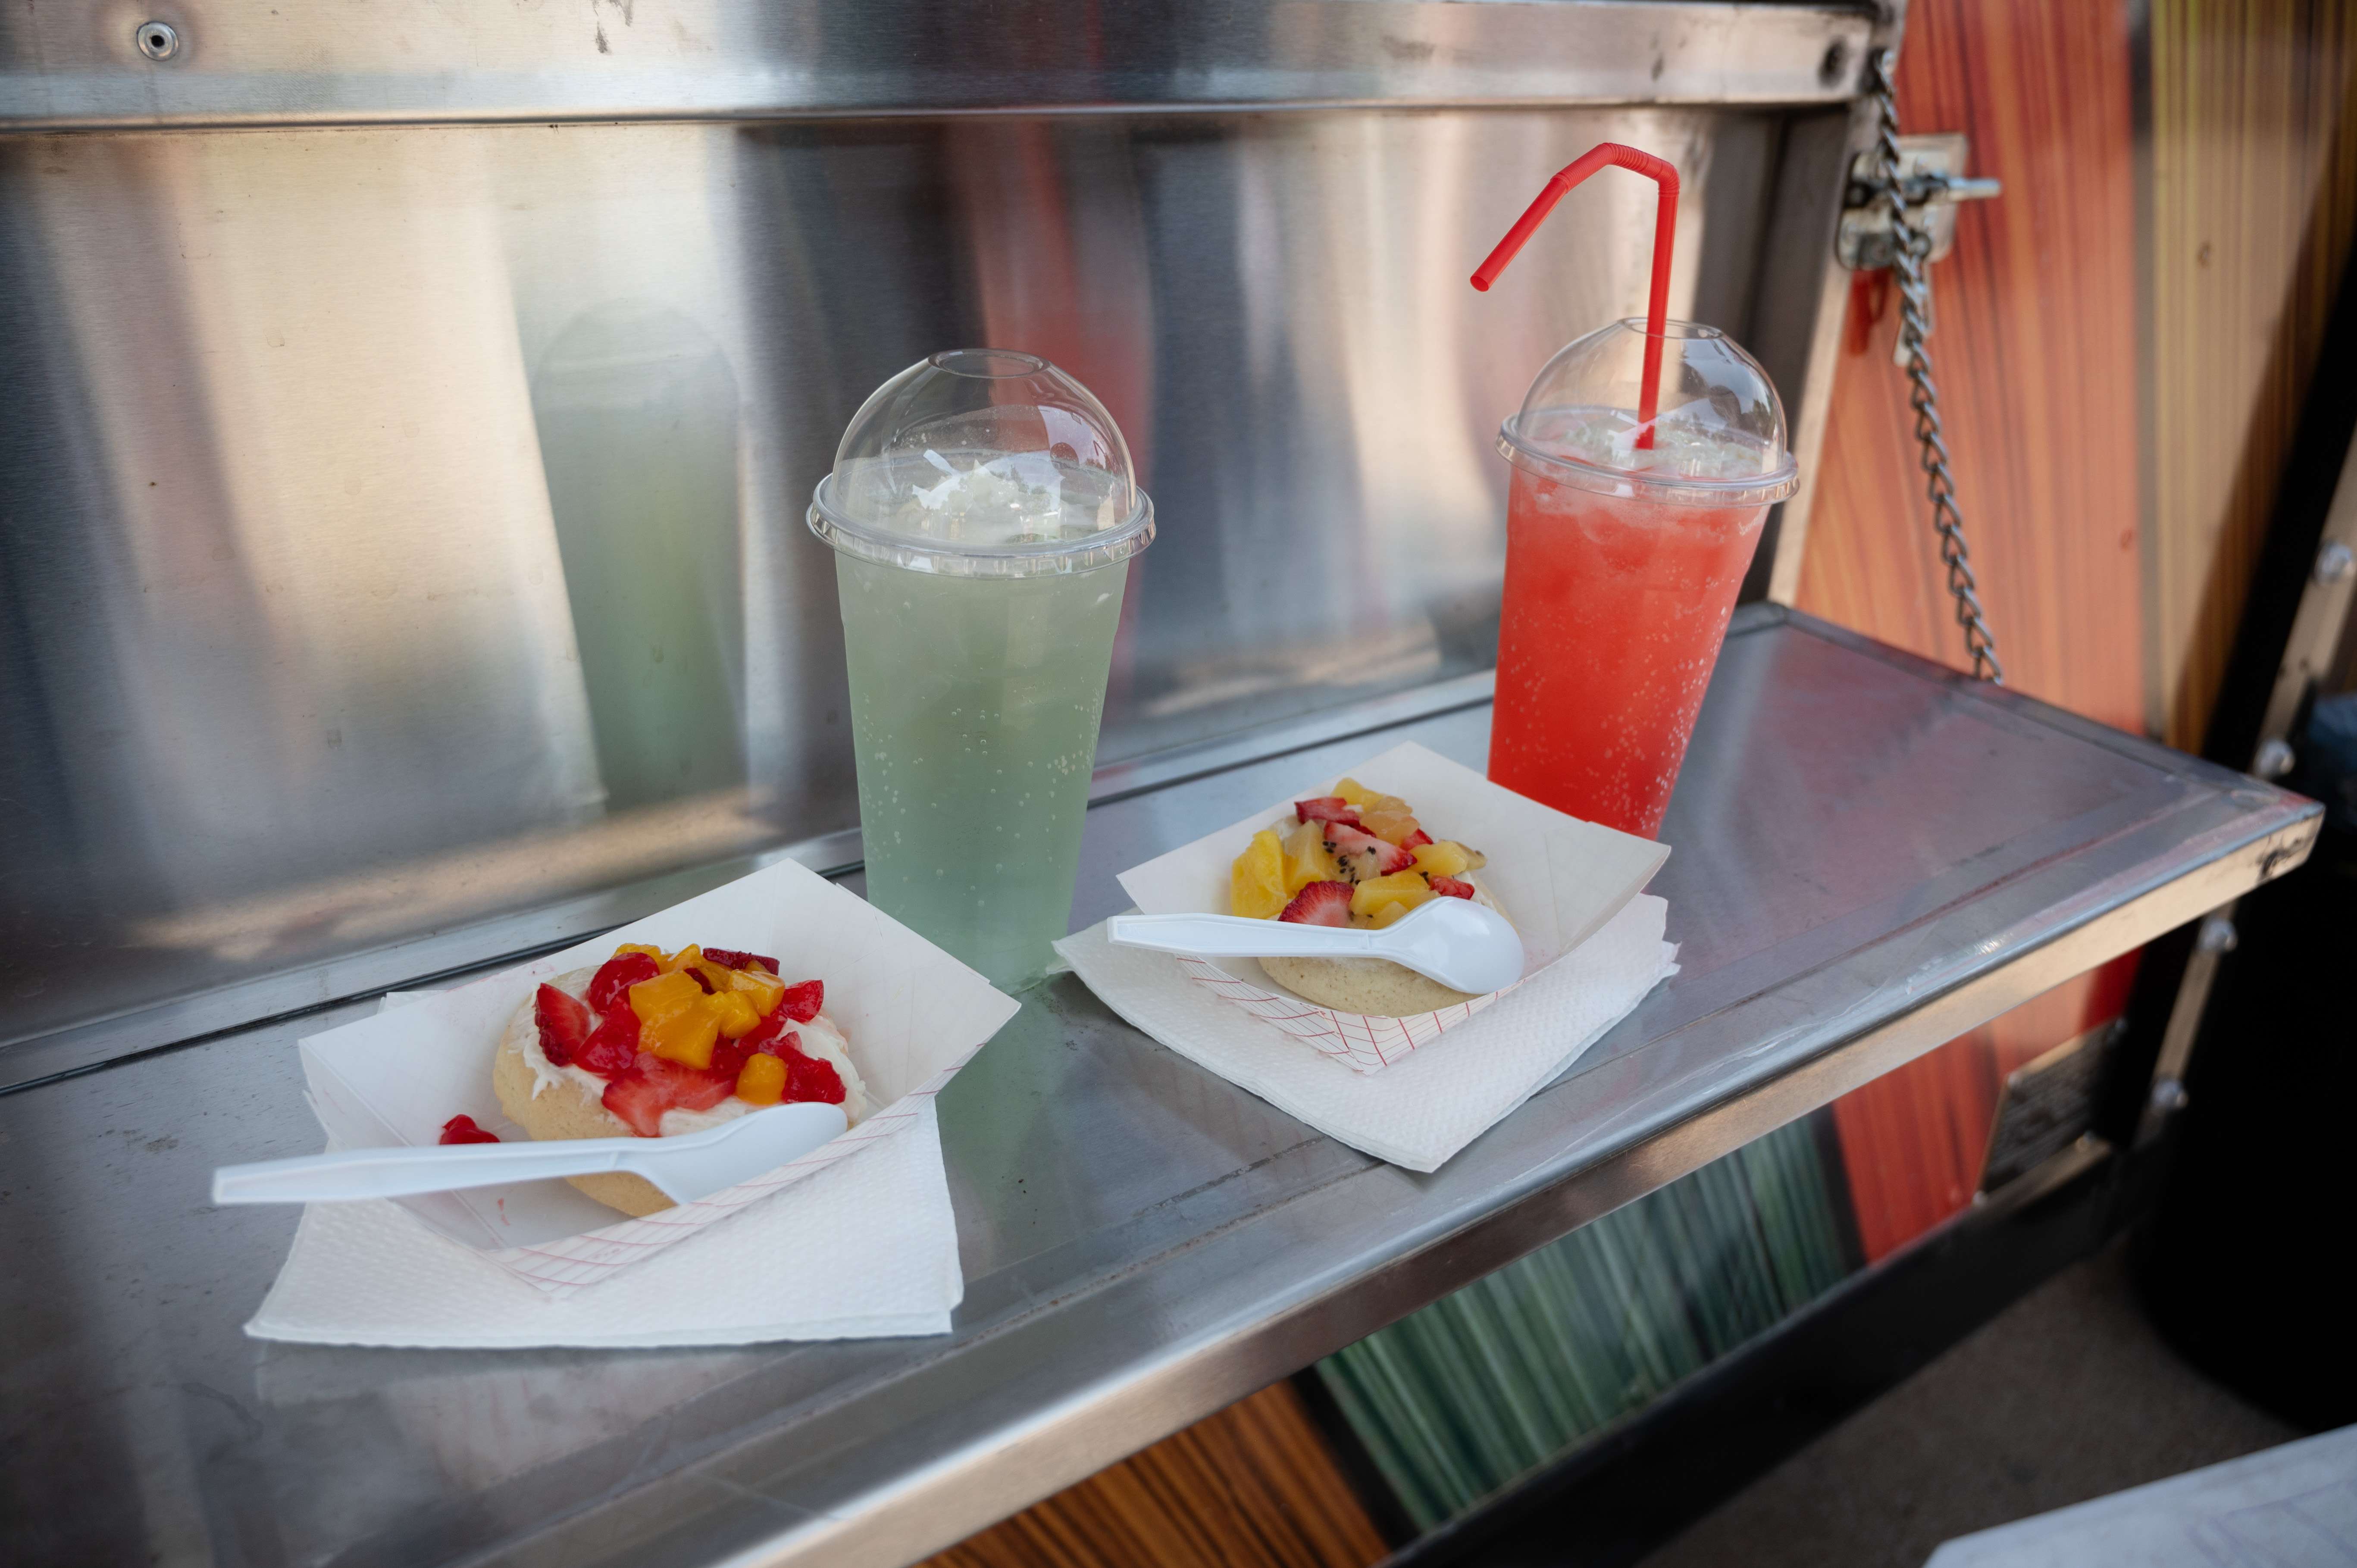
(1930, 171)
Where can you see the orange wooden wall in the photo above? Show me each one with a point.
(2034, 349)
(1251, 1486)
(2113, 559)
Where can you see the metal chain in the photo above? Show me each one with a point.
(1912, 245)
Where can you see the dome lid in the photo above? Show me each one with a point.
(984, 463)
(1719, 440)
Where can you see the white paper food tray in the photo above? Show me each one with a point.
(911, 1013)
(1557, 878)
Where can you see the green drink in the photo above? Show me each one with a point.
(975, 705)
(982, 509)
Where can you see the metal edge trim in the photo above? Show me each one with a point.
(17, 124)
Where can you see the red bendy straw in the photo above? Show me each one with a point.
(1665, 228)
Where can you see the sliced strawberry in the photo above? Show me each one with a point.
(688, 1089)
(639, 1101)
(783, 1046)
(1362, 856)
(1321, 903)
(729, 958)
(803, 1000)
(1415, 839)
(765, 1033)
(1326, 809)
(809, 1079)
(563, 1024)
(729, 1056)
(653, 1086)
(1449, 887)
(617, 974)
(700, 978)
(613, 1046)
(462, 1130)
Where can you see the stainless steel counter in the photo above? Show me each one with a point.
(1870, 857)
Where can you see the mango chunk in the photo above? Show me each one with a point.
(762, 1081)
(735, 1012)
(674, 1022)
(765, 989)
(658, 999)
(687, 1039)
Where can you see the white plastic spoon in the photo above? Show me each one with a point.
(692, 1166)
(1463, 945)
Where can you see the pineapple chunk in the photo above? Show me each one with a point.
(1256, 881)
(1447, 858)
(1385, 816)
(1369, 897)
(1307, 860)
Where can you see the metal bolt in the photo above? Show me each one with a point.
(2218, 935)
(2274, 759)
(2169, 1095)
(157, 40)
(2334, 562)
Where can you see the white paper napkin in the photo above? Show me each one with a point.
(1558, 878)
(914, 1014)
(1426, 1107)
(866, 1249)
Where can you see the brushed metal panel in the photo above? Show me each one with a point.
(402, 524)
(249, 62)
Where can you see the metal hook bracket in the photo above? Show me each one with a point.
(1932, 182)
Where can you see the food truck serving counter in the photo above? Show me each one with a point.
(1872, 857)
(413, 415)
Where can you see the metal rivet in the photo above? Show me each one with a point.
(2334, 562)
(2218, 935)
(157, 40)
(2169, 1095)
(2274, 759)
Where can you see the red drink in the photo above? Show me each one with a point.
(1626, 540)
(1646, 456)
(1614, 610)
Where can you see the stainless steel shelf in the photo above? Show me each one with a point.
(1872, 855)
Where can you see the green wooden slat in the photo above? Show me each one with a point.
(1459, 1399)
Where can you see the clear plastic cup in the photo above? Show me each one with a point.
(981, 508)
(1623, 558)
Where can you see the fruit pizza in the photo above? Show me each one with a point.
(657, 1044)
(1356, 857)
